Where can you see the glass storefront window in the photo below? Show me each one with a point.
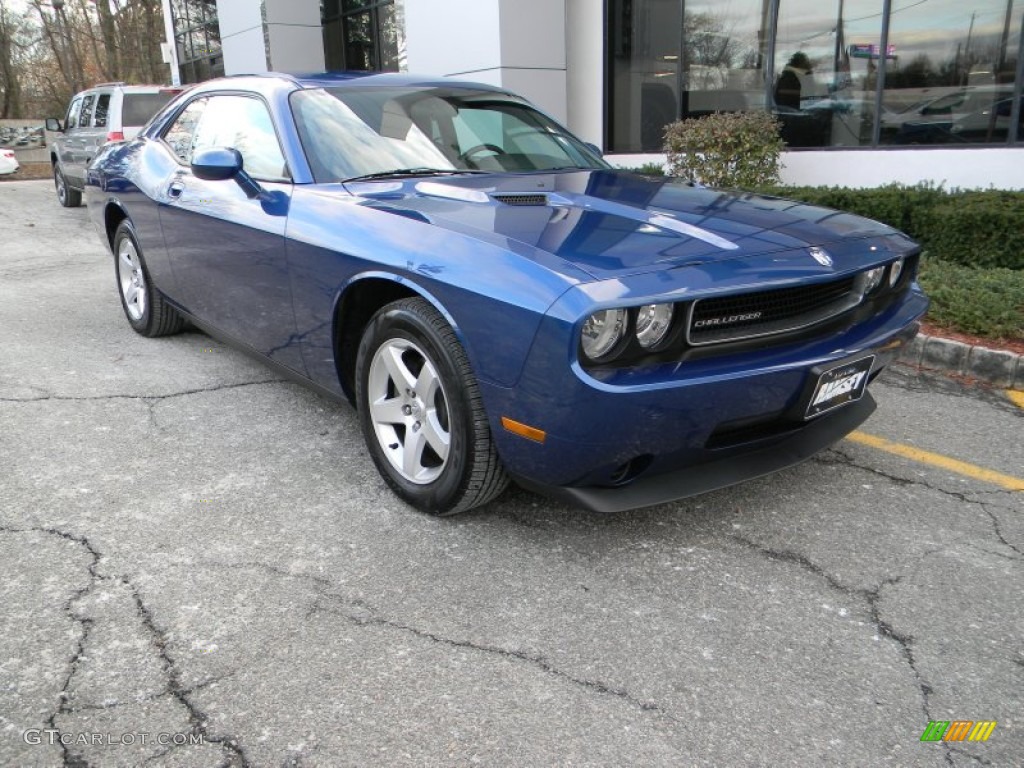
(681, 58)
(949, 67)
(826, 65)
(952, 80)
(363, 35)
(197, 35)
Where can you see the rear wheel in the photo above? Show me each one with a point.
(66, 196)
(421, 413)
(144, 306)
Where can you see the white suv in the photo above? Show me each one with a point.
(102, 114)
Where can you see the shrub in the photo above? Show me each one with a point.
(893, 204)
(985, 302)
(982, 229)
(977, 228)
(726, 149)
(647, 169)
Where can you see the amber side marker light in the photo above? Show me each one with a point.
(517, 428)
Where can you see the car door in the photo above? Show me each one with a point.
(94, 133)
(66, 143)
(227, 250)
(74, 170)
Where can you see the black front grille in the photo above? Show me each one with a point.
(522, 199)
(731, 318)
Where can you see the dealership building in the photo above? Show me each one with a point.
(867, 91)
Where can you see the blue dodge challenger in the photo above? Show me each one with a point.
(496, 301)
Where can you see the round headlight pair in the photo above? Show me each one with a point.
(605, 329)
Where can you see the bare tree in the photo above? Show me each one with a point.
(10, 82)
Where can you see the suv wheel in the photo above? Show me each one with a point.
(68, 197)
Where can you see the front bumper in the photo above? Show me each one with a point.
(729, 470)
(675, 431)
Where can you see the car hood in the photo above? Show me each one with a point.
(615, 223)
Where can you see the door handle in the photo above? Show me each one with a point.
(174, 191)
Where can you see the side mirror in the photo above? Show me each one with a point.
(53, 124)
(594, 148)
(217, 164)
(221, 164)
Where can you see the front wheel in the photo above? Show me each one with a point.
(66, 196)
(144, 306)
(421, 413)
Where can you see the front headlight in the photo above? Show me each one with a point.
(652, 323)
(873, 279)
(602, 332)
(895, 271)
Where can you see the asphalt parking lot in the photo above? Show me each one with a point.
(200, 566)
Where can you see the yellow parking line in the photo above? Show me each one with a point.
(938, 460)
(1016, 397)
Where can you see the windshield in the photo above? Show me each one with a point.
(353, 132)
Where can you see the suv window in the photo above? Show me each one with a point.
(71, 120)
(244, 123)
(137, 108)
(86, 116)
(102, 110)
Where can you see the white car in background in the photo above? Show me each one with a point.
(8, 162)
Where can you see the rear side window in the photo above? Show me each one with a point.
(137, 108)
(102, 110)
(86, 116)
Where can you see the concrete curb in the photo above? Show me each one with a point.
(992, 366)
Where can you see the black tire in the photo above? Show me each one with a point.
(144, 306)
(66, 196)
(471, 474)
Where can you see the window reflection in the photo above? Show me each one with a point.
(363, 35)
(671, 58)
(197, 36)
(684, 58)
(952, 80)
(826, 65)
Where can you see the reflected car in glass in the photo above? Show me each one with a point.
(495, 300)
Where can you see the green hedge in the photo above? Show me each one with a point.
(984, 229)
(980, 229)
(972, 228)
(985, 302)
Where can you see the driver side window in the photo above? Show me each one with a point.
(71, 119)
(244, 123)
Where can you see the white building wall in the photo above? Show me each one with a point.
(295, 34)
(515, 44)
(241, 35)
(264, 35)
(585, 68)
(454, 38)
(976, 168)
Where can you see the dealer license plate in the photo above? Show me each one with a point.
(840, 385)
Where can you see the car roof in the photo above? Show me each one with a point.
(268, 82)
(377, 79)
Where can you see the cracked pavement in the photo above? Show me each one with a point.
(191, 547)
